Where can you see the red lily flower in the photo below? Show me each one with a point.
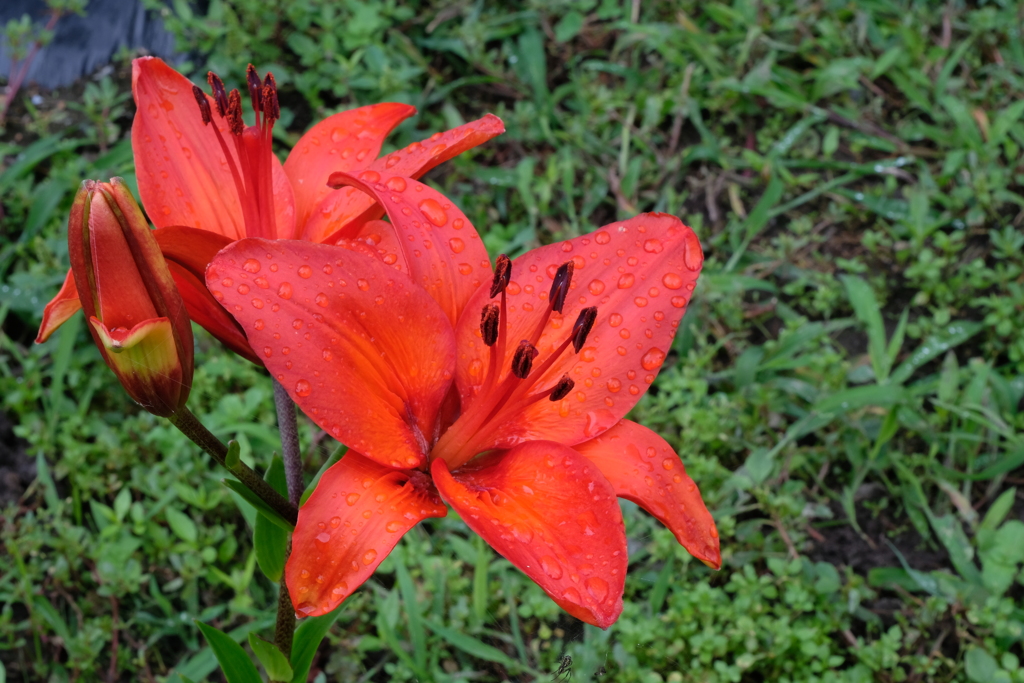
(427, 381)
(206, 179)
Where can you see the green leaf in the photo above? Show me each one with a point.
(182, 525)
(865, 307)
(413, 615)
(981, 666)
(472, 646)
(997, 513)
(257, 502)
(3, 673)
(952, 536)
(237, 666)
(859, 397)
(307, 639)
(269, 540)
(272, 659)
(956, 333)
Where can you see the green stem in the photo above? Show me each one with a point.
(284, 629)
(189, 425)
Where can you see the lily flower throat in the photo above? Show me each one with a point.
(251, 164)
(507, 391)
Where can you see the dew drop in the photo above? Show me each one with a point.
(243, 289)
(640, 301)
(335, 522)
(653, 359)
(393, 527)
(613, 385)
(369, 556)
(305, 271)
(672, 280)
(251, 266)
(257, 303)
(572, 595)
(323, 537)
(692, 256)
(285, 290)
(668, 463)
(626, 281)
(327, 354)
(258, 324)
(457, 245)
(602, 237)
(596, 287)
(678, 301)
(303, 388)
(465, 269)
(352, 498)
(551, 567)
(458, 223)
(597, 587)
(434, 213)
(615, 319)
(362, 284)
(653, 246)
(396, 184)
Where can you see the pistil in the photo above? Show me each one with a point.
(253, 172)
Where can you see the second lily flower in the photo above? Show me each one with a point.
(500, 393)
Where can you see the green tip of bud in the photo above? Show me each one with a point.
(234, 455)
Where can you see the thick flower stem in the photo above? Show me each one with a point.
(189, 425)
(284, 629)
(289, 442)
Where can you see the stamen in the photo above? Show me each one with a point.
(489, 324)
(522, 361)
(562, 389)
(204, 104)
(502, 275)
(584, 323)
(560, 286)
(220, 95)
(234, 114)
(255, 88)
(271, 107)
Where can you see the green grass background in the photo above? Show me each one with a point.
(847, 387)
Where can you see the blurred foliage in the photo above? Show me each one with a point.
(847, 388)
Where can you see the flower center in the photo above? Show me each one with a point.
(507, 391)
(253, 172)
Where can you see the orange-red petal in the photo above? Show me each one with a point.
(551, 513)
(183, 175)
(60, 308)
(643, 468)
(347, 141)
(365, 352)
(640, 274)
(344, 210)
(444, 253)
(206, 312)
(355, 517)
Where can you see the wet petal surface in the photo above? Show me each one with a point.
(640, 274)
(355, 517)
(643, 468)
(362, 350)
(552, 514)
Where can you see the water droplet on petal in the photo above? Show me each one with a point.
(652, 359)
(321, 300)
(596, 287)
(323, 537)
(433, 211)
(457, 245)
(285, 290)
(352, 498)
(602, 237)
(369, 556)
(668, 463)
(303, 388)
(678, 301)
(672, 280)
(362, 284)
(305, 271)
(597, 587)
(551, 567)
(251, 266)
(393, 527)
(396, 184)
(653, 246)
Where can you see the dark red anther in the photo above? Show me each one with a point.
(255, 88)
(234, 113)
(562, 389)
(584, 323)
(522, 361)
(502, 275)
(271, 107)
(204, 104)
(220, 95)
(560, 286)
(489, 319)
